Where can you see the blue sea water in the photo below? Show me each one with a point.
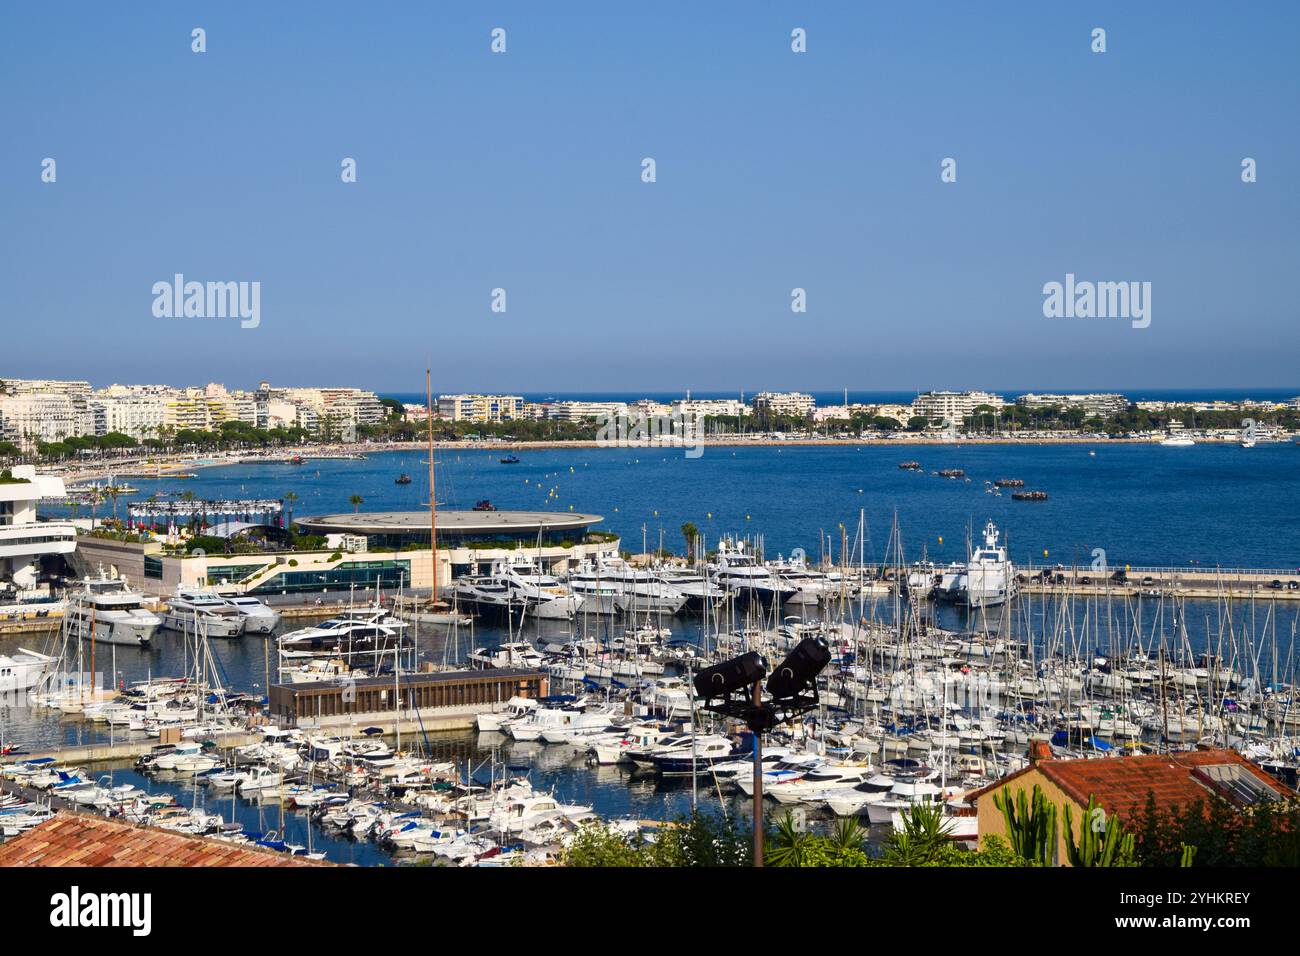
(1208, 505)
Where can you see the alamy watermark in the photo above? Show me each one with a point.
(208, 300)
(641, 431)
(1098, 300)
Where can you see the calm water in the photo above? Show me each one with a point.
(1145, 505)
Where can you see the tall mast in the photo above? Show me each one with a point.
(433, 507)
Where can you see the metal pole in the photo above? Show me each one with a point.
(758, 782)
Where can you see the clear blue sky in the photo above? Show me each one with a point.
(775, 170)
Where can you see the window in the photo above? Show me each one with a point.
(1237, 783)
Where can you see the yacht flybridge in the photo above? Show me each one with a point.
(106, 610)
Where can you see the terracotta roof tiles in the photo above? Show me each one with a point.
(73, 839)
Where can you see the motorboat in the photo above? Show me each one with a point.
(106, 610)
(369, 628)
(636, 589)
(741, 574)
(495, 721)
(24, 670)
(207, 611)
(259, 618)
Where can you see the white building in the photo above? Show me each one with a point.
(953, 406)
(709, 407)
(481, 408)
(784, 403)
(23, 541)
(1099, 404)
(578, 411)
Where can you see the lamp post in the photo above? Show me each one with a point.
(734, 688)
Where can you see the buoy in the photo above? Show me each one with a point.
(941, 539)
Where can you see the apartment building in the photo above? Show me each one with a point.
(783, 403)
(953, 406)
(481, 408)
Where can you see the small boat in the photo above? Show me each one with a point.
(910, 465)
(510, 460)
(952, 473)
(402, 479)
(484, 505)
(1028, 496)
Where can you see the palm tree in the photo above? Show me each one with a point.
(291, 497)
(356, 501)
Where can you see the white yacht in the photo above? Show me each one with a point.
(369, 628)
(543, 595)
(514, 654)
(22, 671)
(701, 593)
(119, 614)
(259, 618)
(636, 589)
(190, 607)
(990, 575)
(810, 587)
(1176, 437)
(739, 573)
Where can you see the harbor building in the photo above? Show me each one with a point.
(1121, 785)
(26, 543)
(366, 551)
(438, 700)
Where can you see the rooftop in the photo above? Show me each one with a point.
(73, 839)
(1121, 784)
(462, 523)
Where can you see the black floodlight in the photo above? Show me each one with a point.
(729, 676)
(799, 670)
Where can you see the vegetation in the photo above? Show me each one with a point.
(1216, 833)
(1102, 841)
(7, 478)
(1031, 824)
(712, 840)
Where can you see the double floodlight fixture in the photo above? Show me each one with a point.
(730, 688)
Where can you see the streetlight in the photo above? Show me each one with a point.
(734, 688)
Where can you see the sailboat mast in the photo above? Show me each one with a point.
(433, 507)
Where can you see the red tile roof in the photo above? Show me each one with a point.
(74, 839)
(1121, 784)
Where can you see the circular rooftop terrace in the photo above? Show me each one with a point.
(453, 524)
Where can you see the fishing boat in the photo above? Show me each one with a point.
(402, 479)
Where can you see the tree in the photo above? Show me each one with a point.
(356, 501)
(691, 534)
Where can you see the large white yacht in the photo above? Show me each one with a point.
(259, 618)
(189, 608)
(636, 589)
(990, 575)
(118, 613)
(544, 596)
(22, 671)
(739, 573)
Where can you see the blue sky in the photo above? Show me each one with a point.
(775, 171)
